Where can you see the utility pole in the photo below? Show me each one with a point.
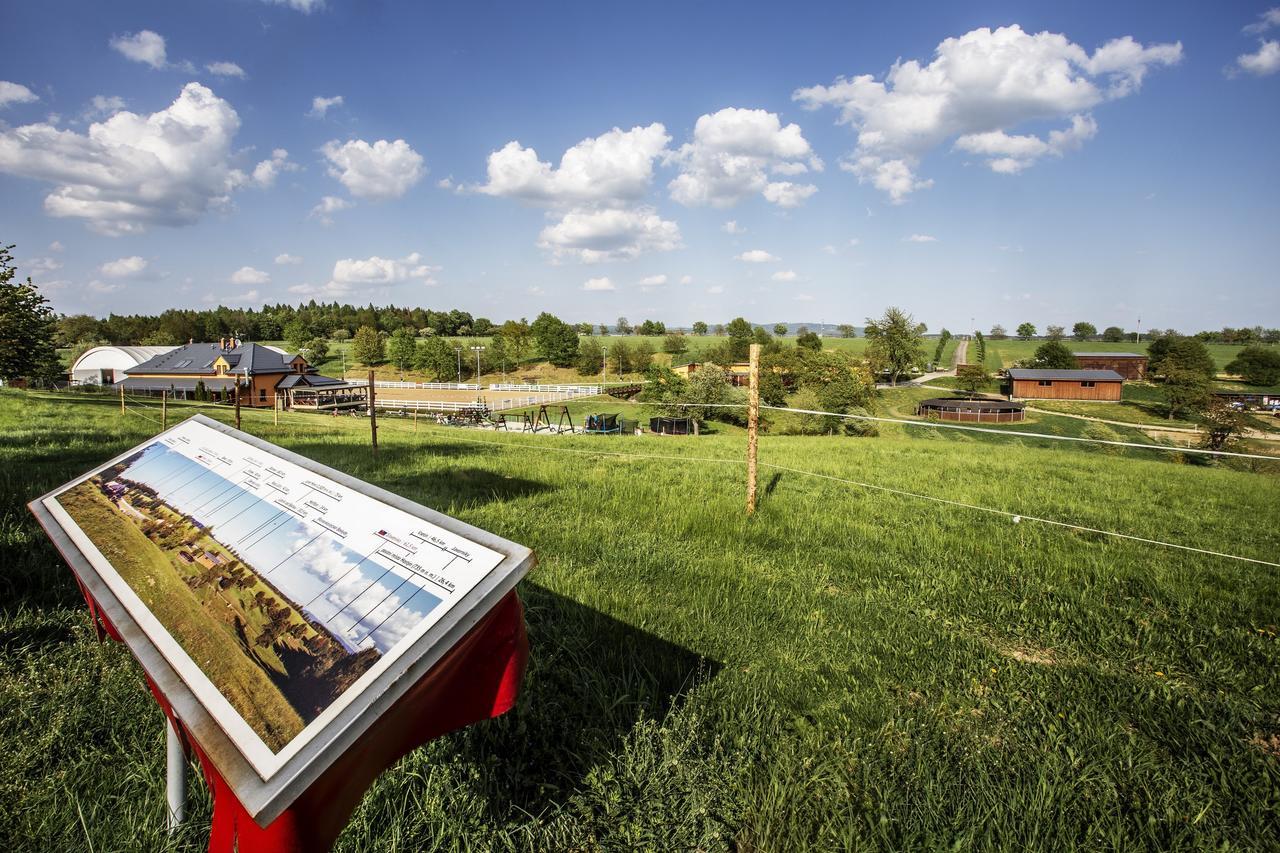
(604, 371)
(477, 350)
(458, 350)
(373, 413)
(753, 426)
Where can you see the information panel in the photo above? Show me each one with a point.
(277, 590)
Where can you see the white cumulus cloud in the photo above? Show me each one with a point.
(286, 259)
(383, 170)
(732, 227)
(249, 275)
(320, 106)
(732, 155)
(103, 105)
(920, 238)
(1266, 21)
(653, 280)
(609, 234)
(612, 168)
(226, 69)
(15, 93)
(1262, 62)
(784, 275)
(304, 6)
(598, 284)
(787, 194)
(756, 256)
(146, 47)
(354, 275)
(265, 173)
(1011, 154)
(986, 81)
(132, 171)
(328, 206)
(129, 267)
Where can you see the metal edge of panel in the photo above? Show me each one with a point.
(266, 799)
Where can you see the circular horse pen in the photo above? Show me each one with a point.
(981, 411)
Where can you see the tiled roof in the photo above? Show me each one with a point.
(198, 359)
(1108, 355)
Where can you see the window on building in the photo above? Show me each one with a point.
(1086, 384)
(1046, 383)
(262, 395)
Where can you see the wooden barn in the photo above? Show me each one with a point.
(1065, 384)
(1130, 365)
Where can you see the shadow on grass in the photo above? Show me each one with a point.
(591, 679)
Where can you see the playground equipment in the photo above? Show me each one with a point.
(603, 425)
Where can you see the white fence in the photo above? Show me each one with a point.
(572, 390)
(431, 386)
(468, 405)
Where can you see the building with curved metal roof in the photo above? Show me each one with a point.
(106, 365)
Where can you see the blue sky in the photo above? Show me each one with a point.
(1002, 162)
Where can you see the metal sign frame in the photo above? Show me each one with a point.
(266, 798)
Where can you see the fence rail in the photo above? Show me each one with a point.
(430, 386)
(576, 390)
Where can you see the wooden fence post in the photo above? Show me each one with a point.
(164, 410)
(276, 410)
(753, 426)
(373, 413)
(237, 405)
(122, 398)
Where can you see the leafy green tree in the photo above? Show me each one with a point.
(620, 358)
(942, 345)
(1055, 333)
(201, 392)
(516, 339)
(1082, 331)
(1054, 355)
(848, 394)
(590, 357)
(998, 333)
(675, 343)
(1222, 422)
(1113, 334)
(1257, 364)
(699, 328)
(75, 328)
(437, 359)
(316, 350)
(402, 349)
(980, 350)
(340, 334)
(297, 334)
(652, 328)
(1026, 331)
(847, 330)
(1185, 389)
(741, 335)
(895, 342)
(1174, 352)
(971, 377)
(556, 339)
(622, 327)
(708, 391)
(780, 329)
(584, 328)
(367, 347)
(809, 340)
(27, 328)
(642, 356)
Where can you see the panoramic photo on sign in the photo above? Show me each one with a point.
(275, 593)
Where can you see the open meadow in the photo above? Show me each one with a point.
(851, 668)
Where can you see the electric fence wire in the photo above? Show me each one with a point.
(510, 445)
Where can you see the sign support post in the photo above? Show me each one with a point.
(175, 776)
(373, 414)
(753, 426)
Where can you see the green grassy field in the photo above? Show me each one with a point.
(1006, 352)
(848, 669)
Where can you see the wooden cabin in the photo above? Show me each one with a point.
(1130, 365)
(1065, 384)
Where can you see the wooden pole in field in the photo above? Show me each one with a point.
(276, 410)
(164, 410)
(415, 418)
(753, 426)
(373, 413)
(122, 398)
(237, 405)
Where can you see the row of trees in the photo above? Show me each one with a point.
(1084, 331)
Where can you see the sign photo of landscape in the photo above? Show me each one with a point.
(282, 589)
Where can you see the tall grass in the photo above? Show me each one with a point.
(848, 669)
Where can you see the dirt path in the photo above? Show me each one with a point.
(961, 353)
(1251, 433)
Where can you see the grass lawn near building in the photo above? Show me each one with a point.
(849, 669)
